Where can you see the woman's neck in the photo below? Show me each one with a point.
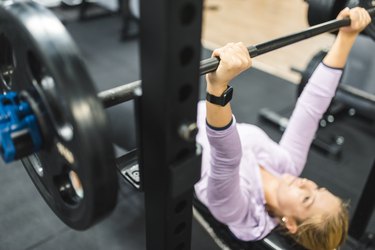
(270, 185)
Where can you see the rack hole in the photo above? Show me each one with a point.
(186, 55)
(185, 92)
(187, 14)
(180, 207)
(180, 246)
(180, 228)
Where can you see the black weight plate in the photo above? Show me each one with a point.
(75, 172)
(320, 11)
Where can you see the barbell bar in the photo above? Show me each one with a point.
(211, 64)
(57, 118)
(129, 91)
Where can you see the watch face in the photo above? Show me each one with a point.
(227, 95)
(221, 100)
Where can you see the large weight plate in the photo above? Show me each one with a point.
(320, 11)
(75, 172)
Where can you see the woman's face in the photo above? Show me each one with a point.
(302, 198)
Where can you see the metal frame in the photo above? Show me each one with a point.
(169, 164)
(365, 208)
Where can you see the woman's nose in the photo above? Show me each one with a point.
(302, 182)
(307, 184)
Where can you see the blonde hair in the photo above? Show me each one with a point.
(324, 232)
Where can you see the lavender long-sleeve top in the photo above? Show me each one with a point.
(231, 185)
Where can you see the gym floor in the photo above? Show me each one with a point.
(26, 222)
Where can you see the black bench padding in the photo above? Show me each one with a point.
(276, 240)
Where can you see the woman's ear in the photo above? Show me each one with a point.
(290, 224)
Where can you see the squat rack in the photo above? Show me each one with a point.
(169, 164)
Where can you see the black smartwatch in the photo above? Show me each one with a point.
(223, 99)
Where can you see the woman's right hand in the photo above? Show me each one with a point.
(234, 59)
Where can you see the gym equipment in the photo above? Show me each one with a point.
(323, 10)
(356, 93)
(211, 64)
(72, 171)
(127, 92)
(363, 212)
(129, 10)
(275, 240)
(330, 145)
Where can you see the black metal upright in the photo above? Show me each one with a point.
(169, 160)
(365, 207)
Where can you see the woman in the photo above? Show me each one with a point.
(248, 181)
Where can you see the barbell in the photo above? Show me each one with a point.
(53, 120)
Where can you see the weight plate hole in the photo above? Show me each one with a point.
(77, 184)
(7, 62)
(69, 186)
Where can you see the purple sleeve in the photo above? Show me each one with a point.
(309, 109)
(223, 190)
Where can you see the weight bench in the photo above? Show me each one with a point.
(276, 240)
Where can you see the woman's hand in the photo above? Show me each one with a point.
(339, 52)
(234, 59)
(359, 17)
